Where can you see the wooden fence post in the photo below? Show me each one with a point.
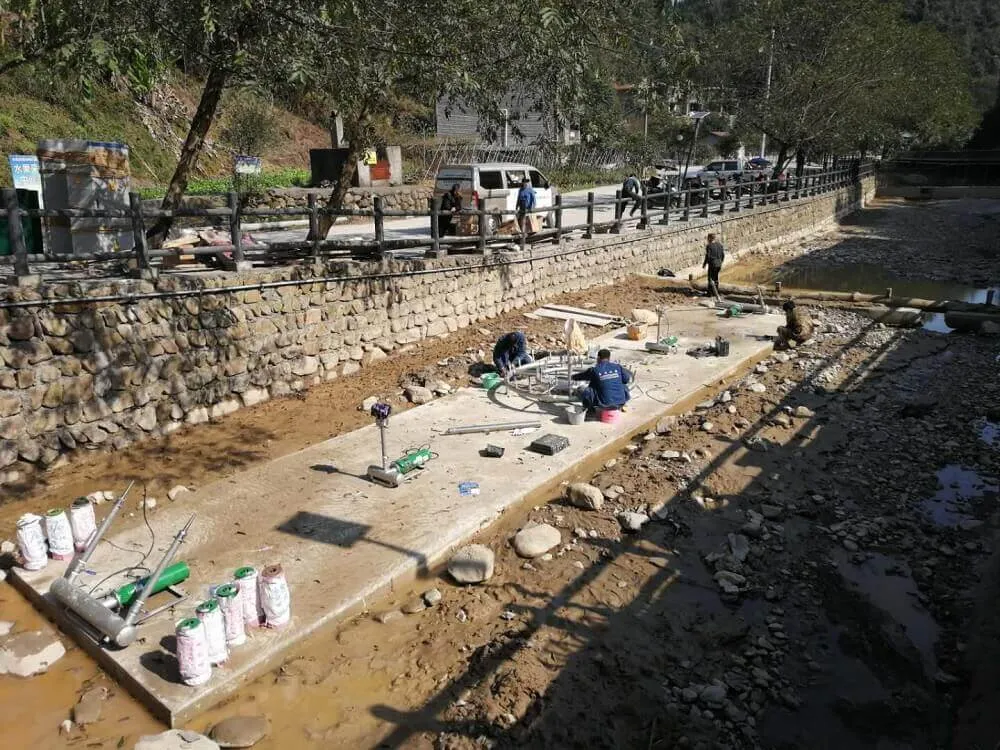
(590, 217)
(435, 209)
(142, 267)
(239, 264)
(379, 225)
(481, 220)
(314, 225)
(619, 211)
(15, 233)
(704, 206)
(557, 200)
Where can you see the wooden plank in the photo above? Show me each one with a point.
(560, 315)
(583, 311)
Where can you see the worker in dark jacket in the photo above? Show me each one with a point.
(715, 256)
(798, 326)
(511, 351)
(451, 204)
(607, 383)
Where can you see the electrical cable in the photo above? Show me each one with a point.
(139, 566)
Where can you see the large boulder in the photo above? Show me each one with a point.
(472, 564)
(535, 541)
(585, 496)
(176, 739)
(29, 653)
(241, 731)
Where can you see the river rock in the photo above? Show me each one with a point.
(666, 425)
(176, 739)
(5, 627)
(758, 388)
(88, 709)
(648, 317)
(739, 546)
(417, 394)
(176, 491)
(535, 541)
(29, 653)
(414, 605)
(472, 564)
(632, 522)
(804, 412)
(432, 597)
(368, 403)
(714, 695)
(241, 731)
(7, 547)
(585, 496)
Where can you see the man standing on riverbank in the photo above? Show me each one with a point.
(715, 256)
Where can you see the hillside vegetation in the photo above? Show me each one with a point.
(33, 108)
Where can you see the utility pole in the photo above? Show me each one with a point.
(767, 93)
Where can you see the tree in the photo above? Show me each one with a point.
(387, 51)
(847, 75)
(232, 43)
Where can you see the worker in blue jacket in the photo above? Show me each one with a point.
(511, 351)
(608, 381)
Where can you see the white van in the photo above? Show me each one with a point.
(496, 183)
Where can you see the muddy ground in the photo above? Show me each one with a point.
(821, 572)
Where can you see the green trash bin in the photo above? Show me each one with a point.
(30, 226)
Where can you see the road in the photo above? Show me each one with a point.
(418, 227)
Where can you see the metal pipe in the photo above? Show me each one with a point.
(133, 611)
(83, 605)
(382, 429)
(496, 427)
(74, 568)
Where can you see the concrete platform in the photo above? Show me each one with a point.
(344, 542)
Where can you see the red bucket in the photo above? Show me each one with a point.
(610, 416)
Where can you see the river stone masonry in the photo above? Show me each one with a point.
(188, 349)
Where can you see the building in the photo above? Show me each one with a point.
(523, 124)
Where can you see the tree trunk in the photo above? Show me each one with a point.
(800, 162)
(211, 95)
(355, 150)
(779, 166)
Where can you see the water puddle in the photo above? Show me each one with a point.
(887, 584)
(989, 432)
(868, 279)
(959, 485)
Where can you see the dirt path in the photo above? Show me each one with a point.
(810, 580)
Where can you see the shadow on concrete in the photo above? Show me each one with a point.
(316, 527)
(613, 689)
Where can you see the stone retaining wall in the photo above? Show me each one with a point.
(80, 374)
(397, 198)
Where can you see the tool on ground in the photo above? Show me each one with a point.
(98, 619)
(171, 576)
(494, 427)
(663, 344)
(549, 445)
(493, 451)
(391, 473)
(721, 347)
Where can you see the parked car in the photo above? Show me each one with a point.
(496, 184)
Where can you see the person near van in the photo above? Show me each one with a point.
(715, 256)
(525, 203)
(798, 326)
(607, 384)
(510, 351)
(632, 191)
(451, 203)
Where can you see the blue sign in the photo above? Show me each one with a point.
(247, 165)
(27, 176)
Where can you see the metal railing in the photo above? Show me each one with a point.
(655, 209)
